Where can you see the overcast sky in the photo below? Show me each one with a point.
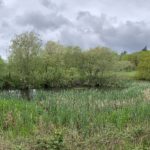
(119, 24)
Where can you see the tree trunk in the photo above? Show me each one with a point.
(25, 93)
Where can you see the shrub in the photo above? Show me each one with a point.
(144, 67)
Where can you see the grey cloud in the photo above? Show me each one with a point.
(73, 36)
(48, 4)
(129, 35)
(42, 22)
(121, 25)
(93, 22)
(1, 2)
(5, 24)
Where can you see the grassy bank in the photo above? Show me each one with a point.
(89, 119)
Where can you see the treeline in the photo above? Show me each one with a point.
(140, 62)
(33, 65)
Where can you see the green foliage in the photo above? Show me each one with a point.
(56, 66)
(23, 62)
(23, 59)
(70, 67)
(57, 141)
(134, 58)
(31, 65)
(125, 65)
(98, 65)
(53, 65)
(144, 67)
(139, 61)
(54, 142)
(98, 61)
(3, 72)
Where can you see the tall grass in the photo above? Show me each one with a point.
(87, 111)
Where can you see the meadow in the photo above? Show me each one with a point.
(77, 119)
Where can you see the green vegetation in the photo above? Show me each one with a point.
(131, 75)
(78, 119)
(144, 67)
(91, 100)
(31, 65)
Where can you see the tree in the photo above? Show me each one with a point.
(144, 67)
(123, 54)
(145, 48)
(2, 72)
(134, 58)
(72, 57)
(23, 61)
(61, 65)
(52, 64)
(125, 65)
(73, 62)
(98, 63)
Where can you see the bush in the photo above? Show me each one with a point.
(144, 67)
(125, 66)
(55, 142)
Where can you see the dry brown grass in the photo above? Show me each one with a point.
(146, 94)
(5, 145)
(9, 120)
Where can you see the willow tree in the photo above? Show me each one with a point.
(23, 61)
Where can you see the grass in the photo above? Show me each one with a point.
(74, 119)
(127, 75)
